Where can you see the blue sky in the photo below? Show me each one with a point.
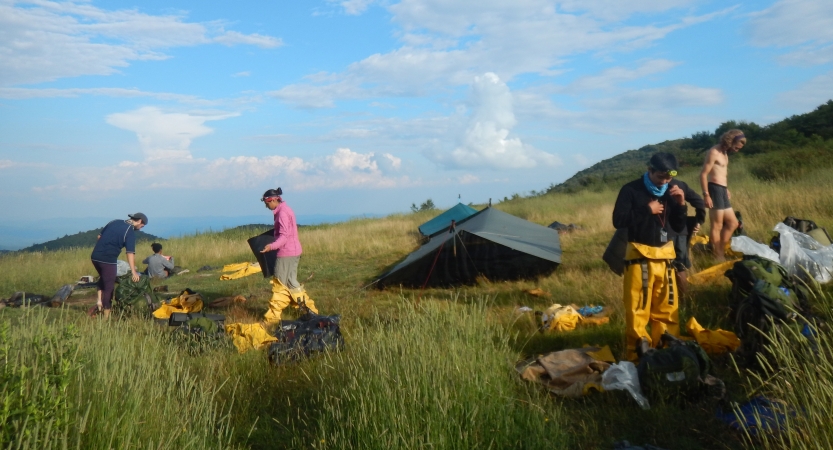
(192, 109)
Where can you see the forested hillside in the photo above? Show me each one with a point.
(808, 137)
(83, 239)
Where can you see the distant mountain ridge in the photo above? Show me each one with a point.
(808, 137)
(83, 239)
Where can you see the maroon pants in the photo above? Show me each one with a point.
(106, 282)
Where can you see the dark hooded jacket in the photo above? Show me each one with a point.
(632, 212)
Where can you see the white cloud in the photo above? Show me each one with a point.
(47, 40)
(344, 160)
(804, 26)
(165, 135)
(486, 141)
(5, 163)
(241, 74)
(449, 43)
(468, 179)
(609, 78)
(353, 7)
(231, 38)
(26, 93)
(342, 168)
(809, 95)
(623, 113)
(394, 162)
(665, 98)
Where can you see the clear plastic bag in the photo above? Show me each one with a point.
(747, 246)
(799, 250)
(122, 267)
(623, 376)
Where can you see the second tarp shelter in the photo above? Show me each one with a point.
(456, 213)
(490, 243)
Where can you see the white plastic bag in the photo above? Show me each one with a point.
(122, 267)
(800, 250)
(747, 246)
(623, 376)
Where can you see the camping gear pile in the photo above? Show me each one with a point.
(770, 288)
(21, 299)
(678, 370)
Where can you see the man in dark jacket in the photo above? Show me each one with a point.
(682, 239)
(650, 208)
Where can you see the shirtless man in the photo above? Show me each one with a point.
(715, 192)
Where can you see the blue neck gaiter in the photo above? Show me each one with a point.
(652, 188)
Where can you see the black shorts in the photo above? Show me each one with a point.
(720, 196)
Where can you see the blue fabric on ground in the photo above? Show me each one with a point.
(771, 414)
(590, 310)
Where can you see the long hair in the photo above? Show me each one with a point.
(731, 137)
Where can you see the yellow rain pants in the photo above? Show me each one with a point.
(249, 336)
(711, 274)
(185, 303)
(240, 270)
(235, 267)
(714, 342)
(650, 295)
(283, 297)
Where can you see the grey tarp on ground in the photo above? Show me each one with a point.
(457, 213)
(490, 243)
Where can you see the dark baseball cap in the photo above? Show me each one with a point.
(139, 216)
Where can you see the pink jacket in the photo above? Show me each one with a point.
(286, 232)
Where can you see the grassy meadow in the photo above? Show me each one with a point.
(420, 369)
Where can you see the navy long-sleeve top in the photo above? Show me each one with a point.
(632, 212)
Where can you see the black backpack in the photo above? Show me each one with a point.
(310, 334)
(764, 295)
(805, 226)
(681, 370)
(746, 272)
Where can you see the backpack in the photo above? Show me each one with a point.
(679, 370)
(197, 332)
(310, 334)
(614, 254)
(198, 323)
(805, 226)
(746, 272)
(134, 297)
(763, 295)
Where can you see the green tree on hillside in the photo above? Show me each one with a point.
(427, 205)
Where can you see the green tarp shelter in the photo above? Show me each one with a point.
(490, 243)
(457, 213)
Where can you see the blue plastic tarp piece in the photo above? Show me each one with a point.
(587, 311)
(443, 221)
(771, 414)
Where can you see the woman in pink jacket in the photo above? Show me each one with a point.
(289, 251)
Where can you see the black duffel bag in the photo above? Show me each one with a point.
(310, 334)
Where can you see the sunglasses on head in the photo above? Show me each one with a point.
(268, 199)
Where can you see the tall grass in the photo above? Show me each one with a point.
(799, 373)
(438, 376)
(103, 384)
